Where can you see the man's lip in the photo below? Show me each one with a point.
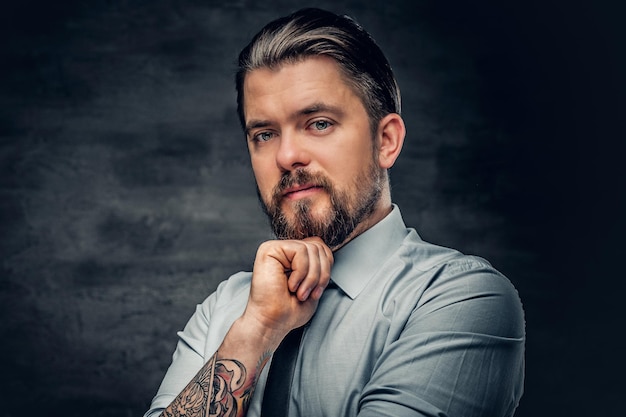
(297, 188)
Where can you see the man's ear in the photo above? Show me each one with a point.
(391, 132)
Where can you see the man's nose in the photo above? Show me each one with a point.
(292, 152)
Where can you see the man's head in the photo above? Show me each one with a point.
(322, 124)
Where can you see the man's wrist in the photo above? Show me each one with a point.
(259, 336)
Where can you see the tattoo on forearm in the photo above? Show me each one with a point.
(219, 389)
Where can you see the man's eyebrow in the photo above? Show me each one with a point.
(256, 124)
(320, 108)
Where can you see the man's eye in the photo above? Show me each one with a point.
(321, 124)
(263, 136)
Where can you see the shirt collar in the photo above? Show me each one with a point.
(357, 262)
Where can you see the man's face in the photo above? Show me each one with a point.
(311, 149)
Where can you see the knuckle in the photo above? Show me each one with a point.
(266, 246)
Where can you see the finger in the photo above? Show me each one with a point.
(306, 263)
(324, 275)
(326, 254)
(299, 265)
(312, 278)
(326, 260)
(326, 263)
(320, 243)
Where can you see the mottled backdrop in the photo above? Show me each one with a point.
(126, 196)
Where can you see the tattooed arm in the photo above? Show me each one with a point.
(223, 386)
(288, 280)
(220, 388)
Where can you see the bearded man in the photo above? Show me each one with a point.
(388, 325)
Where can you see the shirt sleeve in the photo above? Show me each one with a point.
(187, 359)
(201, 337)
(460, 353)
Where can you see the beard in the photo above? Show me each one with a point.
(347, 210)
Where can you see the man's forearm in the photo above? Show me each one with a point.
(225, 384)
(223, 387)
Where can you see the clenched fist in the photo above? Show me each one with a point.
(288, 279)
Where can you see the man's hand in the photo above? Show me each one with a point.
(288, 279)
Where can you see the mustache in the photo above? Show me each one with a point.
(299, 177)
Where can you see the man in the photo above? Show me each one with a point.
(392, 325)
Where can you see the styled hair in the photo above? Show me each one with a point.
(312, 32)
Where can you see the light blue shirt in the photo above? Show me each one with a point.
(406, 329)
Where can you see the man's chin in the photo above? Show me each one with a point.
(306, 221)
(314, 208)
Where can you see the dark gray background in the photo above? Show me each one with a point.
(126, 196)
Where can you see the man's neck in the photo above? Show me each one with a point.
(382, 210)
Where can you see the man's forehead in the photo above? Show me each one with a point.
(311, 84)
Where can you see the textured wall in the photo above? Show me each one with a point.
(126, 196)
